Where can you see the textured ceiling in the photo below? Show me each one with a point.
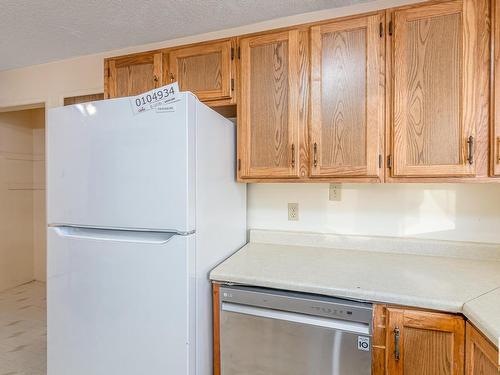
(39, 31)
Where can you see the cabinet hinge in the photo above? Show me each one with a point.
(380, 160)
(232, 53)
(389, 162)
(391, 28)
(239, 164)
(381, 30)
(232, 84)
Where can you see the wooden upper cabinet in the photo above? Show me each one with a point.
(481, 356)
(132, 75)
(204, 69)
(347, 97)
(424, 343)
(495, 147)
(438, 89)
(273, 78)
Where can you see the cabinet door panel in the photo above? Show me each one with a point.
(481, 357)
(204, 70)
(133, 75)
(428, 352)
(269, 105)
(433, 95)
(428, 343)
(270, 73)
(347, 98)
(434, 81)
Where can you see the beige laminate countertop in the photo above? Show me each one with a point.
(446, 283)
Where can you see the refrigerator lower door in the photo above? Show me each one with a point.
(119, 302)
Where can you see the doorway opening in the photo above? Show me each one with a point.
(23, 338)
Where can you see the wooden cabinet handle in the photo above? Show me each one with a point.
(155, 78)
(397, 335)
(470, 144)
(315, 156)
(293, 155)
(498, 150)
(172, 77)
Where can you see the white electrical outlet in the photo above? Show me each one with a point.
(335, 192)
(293, 211)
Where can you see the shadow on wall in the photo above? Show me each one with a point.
(460, 212)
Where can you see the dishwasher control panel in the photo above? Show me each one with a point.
(333, 311)
(315, 305)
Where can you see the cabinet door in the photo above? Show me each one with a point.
(496, 90)
(481, 357)
(271, 77)
(347, 98)
(203, 69)
(132, 75)
(438, 83)
(424, 343)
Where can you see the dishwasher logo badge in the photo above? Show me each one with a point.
(364, 343)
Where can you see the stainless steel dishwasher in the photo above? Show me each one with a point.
(270, 332)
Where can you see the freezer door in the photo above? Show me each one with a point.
(110, 168)
(119, 302)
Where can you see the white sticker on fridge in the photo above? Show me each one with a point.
(163, 108)
(158, 97)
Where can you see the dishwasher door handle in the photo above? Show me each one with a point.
(318, 321)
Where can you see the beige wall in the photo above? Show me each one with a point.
(39, 209)
(19, 164)
(460, 212)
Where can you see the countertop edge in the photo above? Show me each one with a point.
(353, 294)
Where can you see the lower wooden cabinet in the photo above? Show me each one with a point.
(424, 343)
(481, 356)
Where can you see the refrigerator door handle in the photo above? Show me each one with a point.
(114, 235)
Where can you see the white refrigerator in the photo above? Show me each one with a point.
(140, 208)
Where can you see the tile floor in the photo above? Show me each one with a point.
(23, 330)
